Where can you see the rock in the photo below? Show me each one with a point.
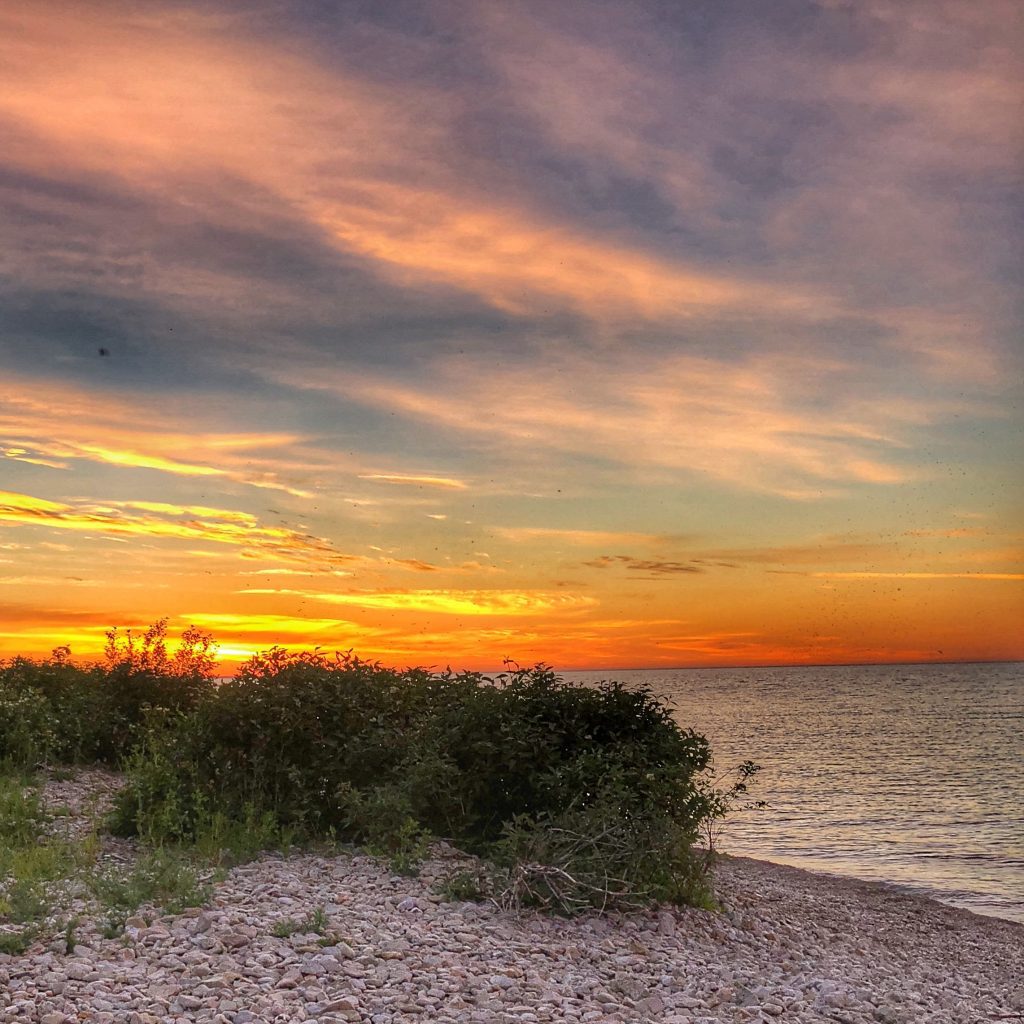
(790, 946)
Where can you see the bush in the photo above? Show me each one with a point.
(27, 734)
(286, 736)
(577, 796)
(54, 711)
(582, 796)
(533, 745)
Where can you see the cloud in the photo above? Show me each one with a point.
(825, 552)
(950, 533)
(255, 540)
(757, 423)
(71, 423)
(413, 480)
(452, 602)
(653, 567)
(531, 534)
(591, 270)
(164, 508)
(339, 165)
(415, 564)
(984, 576)
(276, 628)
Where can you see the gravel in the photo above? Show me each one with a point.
(788, 946)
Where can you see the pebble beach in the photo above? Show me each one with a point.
(787, 945)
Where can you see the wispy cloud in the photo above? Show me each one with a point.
(827, 551)
(452, 602)
(255, 540)
(583, 538)
(756, 423)
(652, 568)
(71, 423)
(414, 480)
(921, 575)
(581, 284)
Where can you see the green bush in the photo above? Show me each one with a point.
(27, 733)
(576, 796)
(534, 745)
(57, 712)
(599, 783)
(285, 736)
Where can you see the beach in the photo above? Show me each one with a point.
(787, 945)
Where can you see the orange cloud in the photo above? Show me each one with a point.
(921, 575)
(62, 422)
(445, 483)
(653, 567)
(517, 262)
(826, 552)
(276, 628)
(452, 602)
(235, 529)
(526, 534)
(952, 533)
(752, 423)
(140, 461)
(336, 165)
(229, 515)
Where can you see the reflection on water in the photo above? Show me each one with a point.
(909, 774)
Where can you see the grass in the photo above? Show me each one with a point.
(29, 860)
(40, 870)
(314, 923)
(166, 879)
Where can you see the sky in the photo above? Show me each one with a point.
(603, 334)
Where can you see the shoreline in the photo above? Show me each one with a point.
(789, 944)
(896, 888)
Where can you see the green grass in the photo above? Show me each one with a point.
(168, 879)
(17, 943)
(313, 923)
(27, 860)
(38, 870)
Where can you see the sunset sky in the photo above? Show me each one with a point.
(614, 333)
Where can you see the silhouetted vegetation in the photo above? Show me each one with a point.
(573, 796)
(55, 712)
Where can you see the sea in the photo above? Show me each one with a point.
(912, 775)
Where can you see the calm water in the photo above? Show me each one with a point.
(908, 774)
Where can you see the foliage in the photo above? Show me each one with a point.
(598, 786)
(52, 711)
(314, 923)
(164, 878)
(577, 796)
(31, 860)
(27, 733)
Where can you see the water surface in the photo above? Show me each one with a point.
(907, 774)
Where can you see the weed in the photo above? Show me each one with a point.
(27, 901)
(286, 927)
(317, 922)
(21, 812)
(164, 878)
(17, 943)
(466, 886)
(70, 939)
